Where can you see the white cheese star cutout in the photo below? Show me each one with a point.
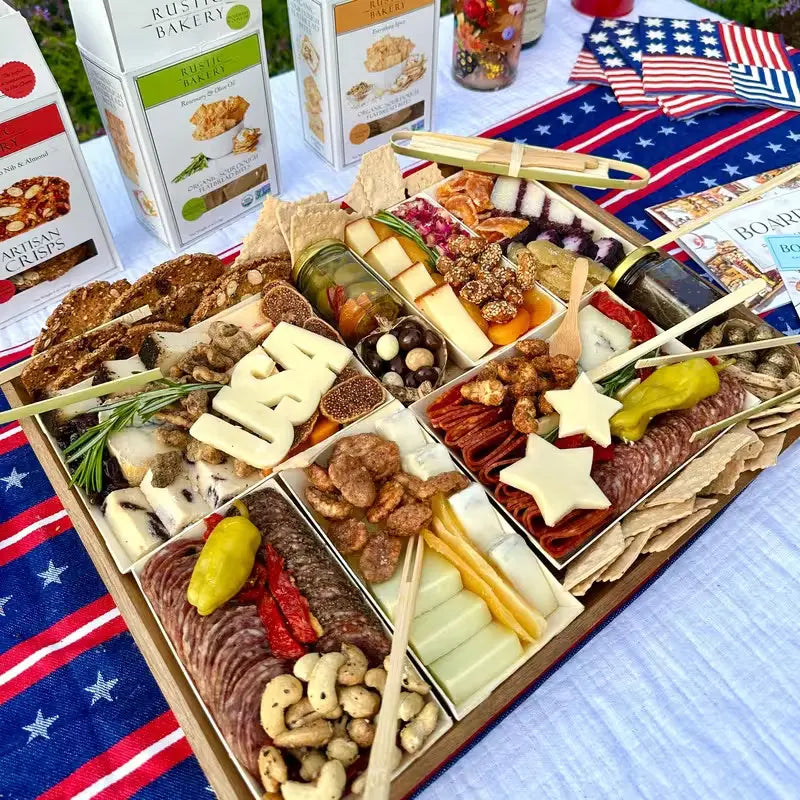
(582, 409)
(559, 480)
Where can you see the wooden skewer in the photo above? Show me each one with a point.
(727, 350)
(748, 413)
(718, 307)
(379, 772)
(90, 392)
(752, 194)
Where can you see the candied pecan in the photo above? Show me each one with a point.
(445, 483)
(231, 339)
(489, 392)
(409, 519)
(318, 477)
(379, 557)
(380, 456)
(498, 311)
(196, 403)
(513, 294)
(475, 291)
(523, 418)
(544, 406)
(533, 347)
(348, 535)
(165, 467)
(328, 505)
(174, 415)
(352, 479)
(565, 371)
(524, 388)
(173, 437)
(509, 369)
(200, 451)
(488, 370)
(411, 483)
(390, 495)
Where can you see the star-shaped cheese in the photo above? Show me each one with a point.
(582, 409)
(559, 480)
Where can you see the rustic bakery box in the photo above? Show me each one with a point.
(53, 236)
(183, 91)
(364, 68)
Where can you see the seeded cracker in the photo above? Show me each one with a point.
(595, 558)
(725, 482)
(787, 424)
(638, 521)
(620, 565)
(704, 468)
(768, 457)
(423, 178)
(664, 539)
(379, 184)
(312, 224)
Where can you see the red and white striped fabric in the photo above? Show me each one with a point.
(628, 88)
(587, 70)
(683, 106)
(753, 47)
(696, 75)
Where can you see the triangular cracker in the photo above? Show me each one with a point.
(657, 517)
(596, 557)
(621, 564)
(423, 178)
(313, 223)
(379, 183)
(265, 239)
(768, 457)
(665, 538)
(725, 482)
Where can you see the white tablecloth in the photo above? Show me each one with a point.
(690, 691)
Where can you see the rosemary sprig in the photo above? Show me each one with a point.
(89, 447)
(613, 383)
(403, 228)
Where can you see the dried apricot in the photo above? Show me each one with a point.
(475, 312)
(502, 333)
(538, 305)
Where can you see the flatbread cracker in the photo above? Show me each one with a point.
(314, 223)
(792, 421)
(286, 209)
(785, 408)
(584, 586)
(665, 538)
(768, 457)
(725, 482)
(704, 468)
(596, 557)
(657, 517)
(704, 502)
(423, 178)
(620, 565)
(265, 239)
(379, 183)
(766, 421)
(752, 449)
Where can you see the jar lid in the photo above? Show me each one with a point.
(634, 257)
(314, 250)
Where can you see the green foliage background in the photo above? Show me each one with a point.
(52, 26)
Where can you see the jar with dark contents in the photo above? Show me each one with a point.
(342, 291)
(667, 291)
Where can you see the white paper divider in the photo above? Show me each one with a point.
(568, 606)
(195, 531)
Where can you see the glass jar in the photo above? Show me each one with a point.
(342, 291)
(487, 42)
(664, 289)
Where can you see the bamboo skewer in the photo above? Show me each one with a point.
(90, 392)
(690, 323)
(379, 772)
(727, 350)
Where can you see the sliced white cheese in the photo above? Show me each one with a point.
(218, 483)
(403, 429)
(271, 426)
(439, 581)
(297, 348)
(428, 460)
(477, 516)
(133, 522)
(176, 505)
(388, 258)
(360, 236)
(445, 627)
(135, 449)
(601, 337)
(474, 664)
(73, 410)
(250, 371)
(413, 281)
(239, 443)
(520, 567)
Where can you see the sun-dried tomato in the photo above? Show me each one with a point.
(292, 604)
(256, 585)
(635, 321)
(599, 453)
(211, 521)
(281, 642)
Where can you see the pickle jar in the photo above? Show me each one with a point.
(667, 291)
(342, 291)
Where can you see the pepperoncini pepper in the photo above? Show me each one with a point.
(224, 564)
(670, 388)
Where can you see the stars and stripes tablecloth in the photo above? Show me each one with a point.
(80, 714)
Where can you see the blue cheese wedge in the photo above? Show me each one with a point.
(473, 665)
(135, 448)
(427, 461)
(218, 483)
(176, 505)
(133, 522)
(445, 627)
(477, 516)
(520, 567)
(403, 429)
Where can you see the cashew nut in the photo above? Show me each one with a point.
(315, 734)
(414, 734)
(279, 693)
(340, 726)
(362, 732)
(322, 683)
(411, 680)
(304, 666)
(359, 702)
(344, 750)
(300, 713)
(335, 714)
(375, 678)
(311, 764)
(329, 786)
(351, 673)
(272, 768)
(411, 704)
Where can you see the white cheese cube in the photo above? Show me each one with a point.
(473, 665)
(388, 258)
(413, 281)
(360, 236)
(477, 516)
(176, 505)
(135, 448)
(133, 522)
(62, 415)
(403, 429)
(520, 567)
(218, 483)
(439, 581)
(445, 627)
(428, 460)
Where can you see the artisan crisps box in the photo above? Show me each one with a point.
(183, 91)
(365, 69)
(53, 236)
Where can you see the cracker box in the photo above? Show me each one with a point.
(365, 68)
(183, 91)
(53, 236)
